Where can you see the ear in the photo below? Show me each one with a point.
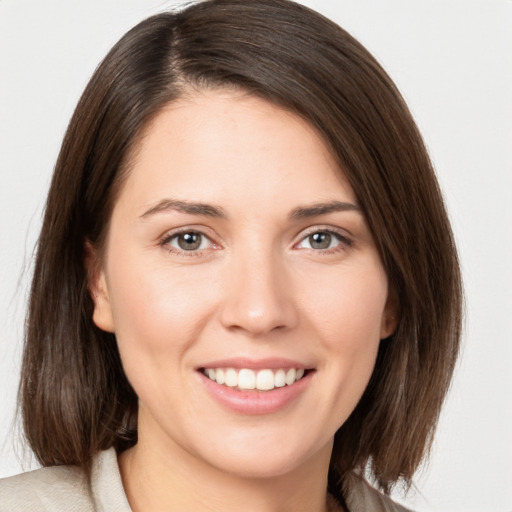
(390, 316)
(97, 285)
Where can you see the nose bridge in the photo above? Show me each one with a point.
(257, 298)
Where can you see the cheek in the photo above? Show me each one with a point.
(347, 318)
(157, 312)
(347, 307)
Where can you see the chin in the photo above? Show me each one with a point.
(264, 462)
(261, 468)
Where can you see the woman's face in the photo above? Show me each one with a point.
(243, 286)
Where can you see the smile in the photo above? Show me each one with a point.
(246, 379)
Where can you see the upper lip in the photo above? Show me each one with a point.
(271, 363)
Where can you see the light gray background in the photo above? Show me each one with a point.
(452, 60)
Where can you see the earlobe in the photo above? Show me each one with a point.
(97, 285)
(388, 326)
(102, 315)
(389, 321)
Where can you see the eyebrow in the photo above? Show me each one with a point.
(208, 210)
(191, 208)
(303, 212)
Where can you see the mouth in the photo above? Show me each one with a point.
(248, 379)
(256, 387)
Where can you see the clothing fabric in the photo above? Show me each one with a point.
(67, 489)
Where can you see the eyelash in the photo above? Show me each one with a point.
(166, 241)
(344, 242)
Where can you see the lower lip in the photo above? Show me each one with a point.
(256, 402)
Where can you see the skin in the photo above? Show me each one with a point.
(256, 288)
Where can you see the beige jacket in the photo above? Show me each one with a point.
(67, 489)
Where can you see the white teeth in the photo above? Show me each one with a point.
(219, 376)
(231, 378)
(265, 380)
(247, 379)
(290, 376)
(280, 379)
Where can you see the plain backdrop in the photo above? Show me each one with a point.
(451, 59)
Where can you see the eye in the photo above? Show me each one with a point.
(324, 240)
(188, 241)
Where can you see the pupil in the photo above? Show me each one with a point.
(189, 241)
(320, 240)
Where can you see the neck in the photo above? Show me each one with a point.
(173, 479)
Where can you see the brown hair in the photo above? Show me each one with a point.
(75, 397)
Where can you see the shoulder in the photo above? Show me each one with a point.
(67, 488)
(57, 488)
(361, 496)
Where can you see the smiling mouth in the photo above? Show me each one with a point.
(246, 379)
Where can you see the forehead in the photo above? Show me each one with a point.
(230, 147)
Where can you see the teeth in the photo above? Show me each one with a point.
(219, 376)
(247, 379)
(231, 378)
(280, 379)
(265, 380)
(290, 376)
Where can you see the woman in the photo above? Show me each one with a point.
(246, 292)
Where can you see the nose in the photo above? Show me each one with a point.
(258, 296)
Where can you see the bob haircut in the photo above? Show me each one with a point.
(75, 398)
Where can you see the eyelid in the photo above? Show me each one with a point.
(164, 241)
(343, 236)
